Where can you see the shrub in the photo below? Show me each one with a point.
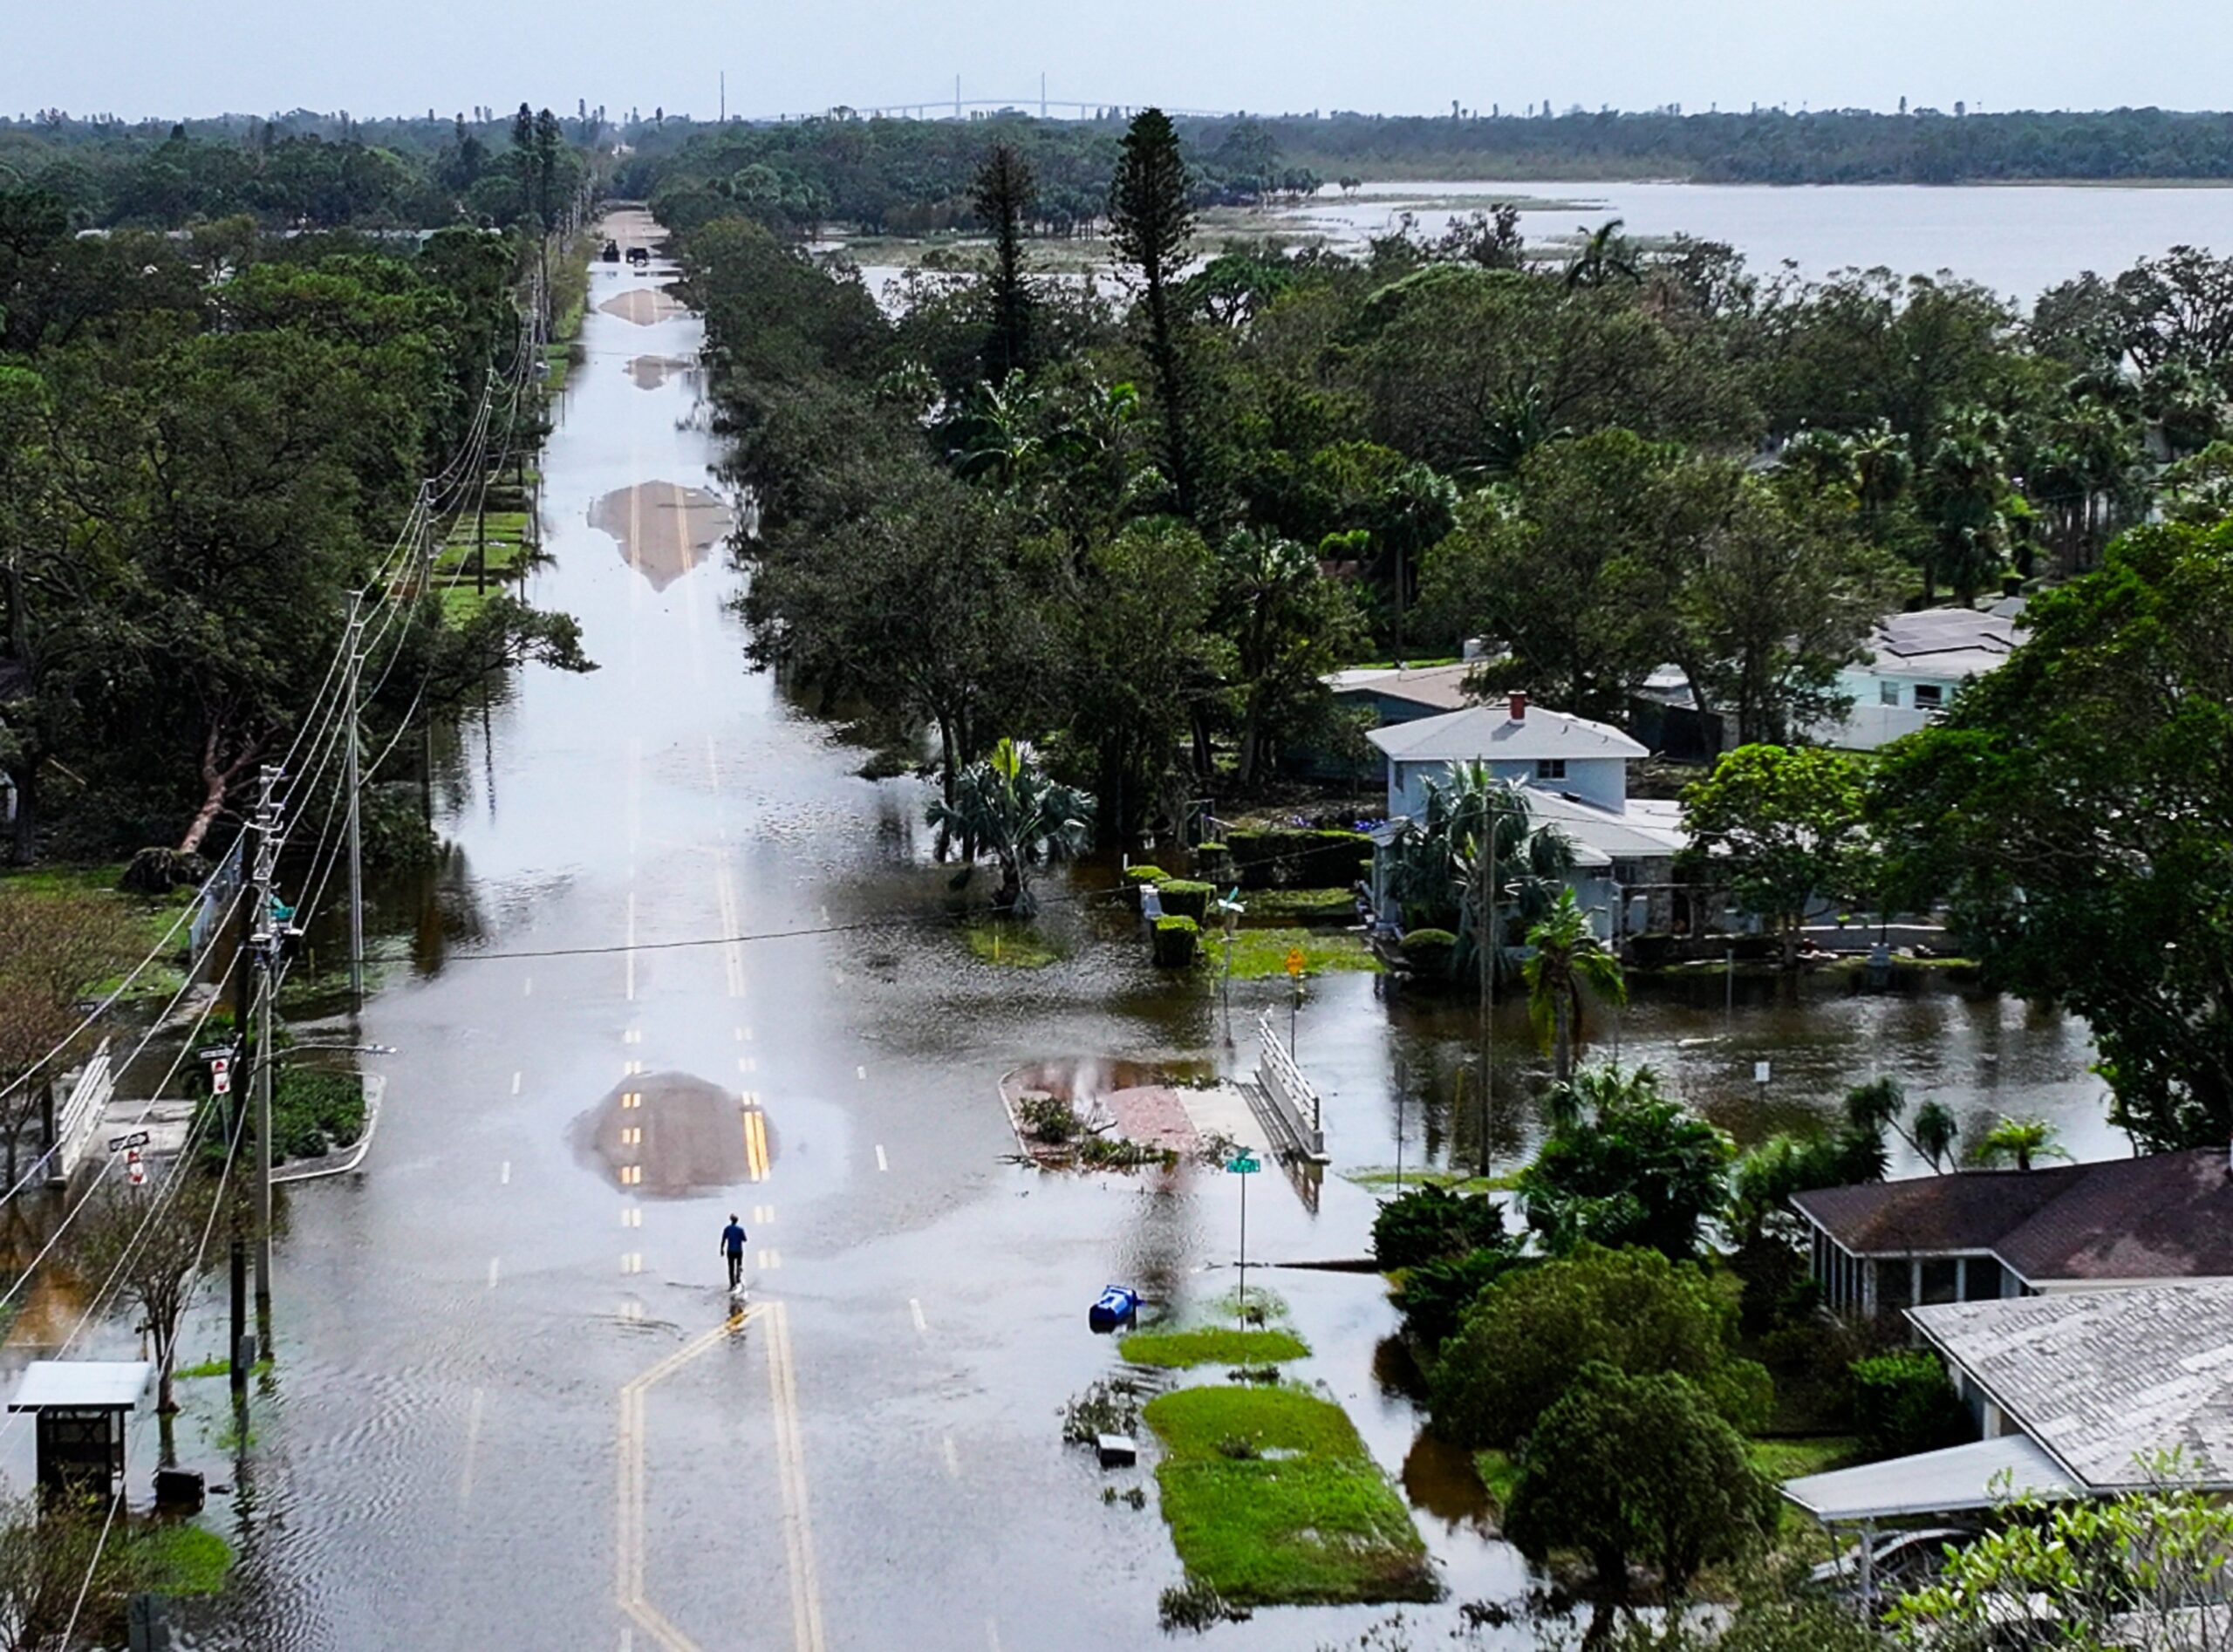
(1106, 1407)
(1628, 1466)
(1521, 1345)
(1139, 877)
(1429, 953)
(1902, 1403)
(1433, 1296)
(1429, 1222)
(1047, 1118)
(1263, 859)
(1184, 898)
(1175, 941)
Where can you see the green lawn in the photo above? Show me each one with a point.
(1785, 1459)
(1178, 1350)
(1382, 1178)
(1012, 945)
(1259, 954)
(183, 1560)
(1499, 1473)
(1312, 906)
(1273, 1500)
(147, 920)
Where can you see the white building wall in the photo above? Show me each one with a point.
(1602, 781)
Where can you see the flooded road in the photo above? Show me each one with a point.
(683, 961)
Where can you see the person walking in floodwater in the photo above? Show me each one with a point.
(733, 1247)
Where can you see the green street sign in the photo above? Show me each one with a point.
(1244, 1165)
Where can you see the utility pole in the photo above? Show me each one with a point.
(1485, 922)
(242, 1352)
(356, 832)
(267, 944)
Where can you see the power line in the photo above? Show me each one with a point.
(103, 1007)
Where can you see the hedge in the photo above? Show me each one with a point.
(1175, 940)
(1266, 859)
(1427, 952)
(1903, 1403)
(1184, 898)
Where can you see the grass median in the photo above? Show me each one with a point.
(1273, 1500)
(1179, 1350)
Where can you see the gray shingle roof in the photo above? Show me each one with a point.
(2107, 1380)
(1492, 734)
(2168, 1215)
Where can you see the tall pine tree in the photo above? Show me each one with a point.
(1151, 223)
(1002, 197)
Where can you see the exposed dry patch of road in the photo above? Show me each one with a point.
(645, 306)
(662, 528)
(675, 1136)
(649, 373)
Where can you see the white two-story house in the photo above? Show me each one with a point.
(1576, 776)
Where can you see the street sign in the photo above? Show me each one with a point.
(1242, 1165)
(134, 1170)
(1759, 1072)
(121, 1143)
(1296, 962)
(221, 1076)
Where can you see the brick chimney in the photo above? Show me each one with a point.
(1519, 705)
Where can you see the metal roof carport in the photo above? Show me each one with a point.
(1959, 1479)
(1962, 1478)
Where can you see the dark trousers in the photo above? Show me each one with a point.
(736, 1268)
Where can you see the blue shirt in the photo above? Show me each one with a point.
(732, 1239)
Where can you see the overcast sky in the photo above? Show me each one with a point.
(169, 57)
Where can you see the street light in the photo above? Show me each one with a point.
(1229, 912)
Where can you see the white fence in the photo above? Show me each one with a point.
(1293, 1105)
(78, 1120)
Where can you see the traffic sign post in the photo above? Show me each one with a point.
(1244, 1165)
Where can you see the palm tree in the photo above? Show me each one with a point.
(1934, 1132)
(1473, 833)
(1604, 253)
(1567, 957)
(2018, 1141)
(1011, 809)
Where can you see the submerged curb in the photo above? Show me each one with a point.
(332, 1165)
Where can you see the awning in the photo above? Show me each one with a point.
(1962, 1477)
(83, 1385)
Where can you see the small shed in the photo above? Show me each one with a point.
(82, 1407)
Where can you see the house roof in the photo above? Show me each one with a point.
(1648, 828)
(1439, 687)
(1943, 642)
(2105, 1381)
(2168, 1215)
(1490, 733)
(1978, 1476)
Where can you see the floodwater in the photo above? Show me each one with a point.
(682, 961)
(2017, 239)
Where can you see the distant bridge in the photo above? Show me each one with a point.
(958, 107)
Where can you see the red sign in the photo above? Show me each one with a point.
(134, 1170)
(221, 1076)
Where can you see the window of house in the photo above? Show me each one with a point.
(1551, 768)
(1941, 1279)
(1887, 693)
(1929, 697)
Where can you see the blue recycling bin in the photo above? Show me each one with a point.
(1118, 1305)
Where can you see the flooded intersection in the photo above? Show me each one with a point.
(703, 968)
